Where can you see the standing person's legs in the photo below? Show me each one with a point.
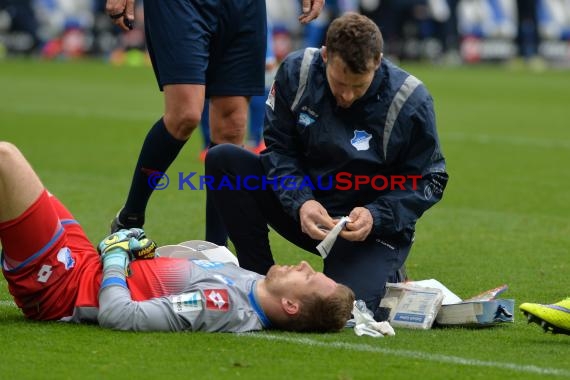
(178, 35)
(205, 129)
(256, 119)
(236, 72)
(228, 119)
(183, 107)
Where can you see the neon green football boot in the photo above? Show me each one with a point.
(554, 318)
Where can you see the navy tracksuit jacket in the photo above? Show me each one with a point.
(390, 131)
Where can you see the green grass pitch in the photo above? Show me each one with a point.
(504, 219)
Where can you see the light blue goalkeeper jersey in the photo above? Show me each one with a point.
(197, 295)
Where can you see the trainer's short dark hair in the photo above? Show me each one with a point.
(357, 40)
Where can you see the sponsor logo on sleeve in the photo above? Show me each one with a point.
(186, 302)
(217, 299)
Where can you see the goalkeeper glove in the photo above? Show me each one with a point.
(131, 241)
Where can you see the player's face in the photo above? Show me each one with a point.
(346, 86)
(298, 280)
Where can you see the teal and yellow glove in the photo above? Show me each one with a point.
(132, 241)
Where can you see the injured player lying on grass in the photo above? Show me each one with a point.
(54, 273)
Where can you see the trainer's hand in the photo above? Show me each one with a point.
(360, 225)
(311, 10)
(131, 241)
(315, 220)
(122, 13)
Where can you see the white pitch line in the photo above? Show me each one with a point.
(402, 353)
(418, 355)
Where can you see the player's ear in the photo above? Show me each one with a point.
(290, 307)
(379, 61)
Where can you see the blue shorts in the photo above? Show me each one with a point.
(218, 43)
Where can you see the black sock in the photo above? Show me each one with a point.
(159, 150)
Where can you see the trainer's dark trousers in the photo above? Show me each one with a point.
(363, 266)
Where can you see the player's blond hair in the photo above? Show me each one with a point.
(323, 314)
